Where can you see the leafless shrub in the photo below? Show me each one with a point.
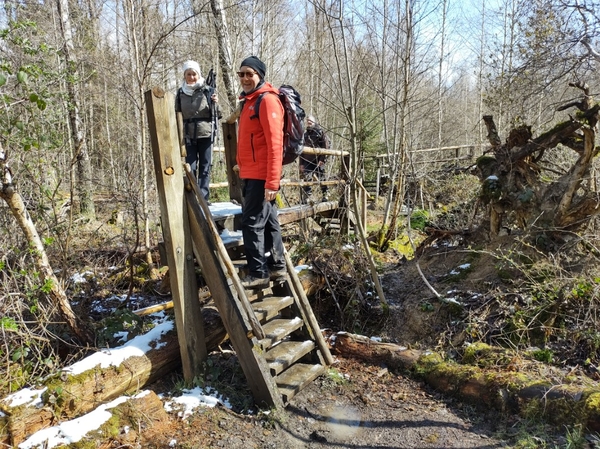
(549, 303)
(34, 343)
(349, 300)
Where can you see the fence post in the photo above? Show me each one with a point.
(168, 168)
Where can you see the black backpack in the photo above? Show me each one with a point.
(293, 122)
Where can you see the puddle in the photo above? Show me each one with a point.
(342, 422)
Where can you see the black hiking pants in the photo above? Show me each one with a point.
(199, 156)
(261, 231)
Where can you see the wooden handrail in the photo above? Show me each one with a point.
(307, 311)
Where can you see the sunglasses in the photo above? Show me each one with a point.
(246, 74)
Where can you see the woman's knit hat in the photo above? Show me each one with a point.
(192, 65)
(256, 64)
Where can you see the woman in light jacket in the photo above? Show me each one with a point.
(197, 103)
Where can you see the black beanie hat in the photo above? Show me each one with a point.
(256, 64)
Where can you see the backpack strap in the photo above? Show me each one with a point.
(179, 98)
(257, 106)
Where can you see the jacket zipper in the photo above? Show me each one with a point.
(252, 146)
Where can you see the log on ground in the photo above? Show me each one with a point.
(67, 397)
(560, 402)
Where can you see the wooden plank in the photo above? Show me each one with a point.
(307, 312)
(294, 379)
(283, 355)
(297, 213)
(277, 330)
(285, 215)
(269, 307)
(174, 218)
(324, 152)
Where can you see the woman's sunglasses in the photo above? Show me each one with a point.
(246, 74)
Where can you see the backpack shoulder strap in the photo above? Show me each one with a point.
(178, 99)
(257, 106)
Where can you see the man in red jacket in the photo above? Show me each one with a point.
(259, 157)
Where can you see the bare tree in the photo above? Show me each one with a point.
(225, 52)
(345, 81)
(13, 199)
(81, 154)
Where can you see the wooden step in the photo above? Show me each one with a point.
(277, 330)
(269, 307)
(283, 355)
(295, 378)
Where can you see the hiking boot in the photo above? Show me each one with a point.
(255, 283)
(278, 276)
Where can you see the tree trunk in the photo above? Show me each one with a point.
(82, 157)
(56, 293)
(225, 59)
(74, 396)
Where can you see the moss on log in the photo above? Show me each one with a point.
(491, 378)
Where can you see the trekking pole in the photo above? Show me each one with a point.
(211, 80)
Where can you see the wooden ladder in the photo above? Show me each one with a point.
(273, 330)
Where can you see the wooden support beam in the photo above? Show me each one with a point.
(307, 312)
(297, 213)
(168, 168)
(230, 140)
(235, 319)
(324, 152)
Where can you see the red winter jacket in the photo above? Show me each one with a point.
(260, 140)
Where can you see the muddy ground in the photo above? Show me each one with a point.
(370, 408)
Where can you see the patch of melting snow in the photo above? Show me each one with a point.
(80, 278)
(26, 396)
(72, 431)
(190, 400)
(137, 346)
(460, 267)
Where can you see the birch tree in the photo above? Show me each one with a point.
(225, 51)
(80, 147)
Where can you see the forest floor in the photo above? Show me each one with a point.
(359, 405)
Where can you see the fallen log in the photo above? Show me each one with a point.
(377, 353)
(500, 388)
(68, 396)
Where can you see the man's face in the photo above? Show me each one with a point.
(309, 123)
(249, 79)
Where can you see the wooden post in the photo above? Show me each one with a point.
(378, 183)
(230, 141)
(176, 233)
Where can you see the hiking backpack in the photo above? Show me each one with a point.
(293, 122)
